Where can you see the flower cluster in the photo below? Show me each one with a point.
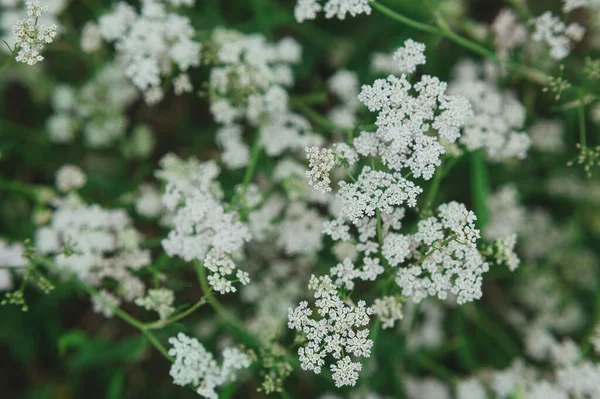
(31, 37)
(308, 9)
(202, 229)
(95, 244)
(337, 333)
(249, 77)
(446, 259)
(159, 300)
(11, 256)
(498, 116)
(556, 34)
(96, 109)
(405, 122)
(148, 42)
(195, 366)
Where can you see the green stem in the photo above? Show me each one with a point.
(403, 19)
(223, 313)
(320, 119)
(479, 187)
(115, 309)
(163, 323)
(444, 30)
(379, 229)
(582, 132)
(17, 187)
(440, 174)
(254, 155)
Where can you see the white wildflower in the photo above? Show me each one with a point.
(321, 161)
(159, 300)
(70, 177)
(389, 310)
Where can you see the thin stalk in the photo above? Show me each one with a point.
(254, 155)
(479, 187)
(163, 323)
(444, 30)
(320, 119)
(120, 313)
(581, 118)
(379, 229)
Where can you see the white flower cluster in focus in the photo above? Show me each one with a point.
(308, 9)
(445, 259)
(195, 366)
(404, 60)
(405, 123)
(336, 333)
(321, 161)
(30, 36)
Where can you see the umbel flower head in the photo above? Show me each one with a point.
(30, 37)
(336, 333)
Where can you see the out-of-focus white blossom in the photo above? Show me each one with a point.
(70, 177)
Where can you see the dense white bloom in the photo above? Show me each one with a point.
(345, 372)
(252, 74)
(308, 9)
(196, 366)
(159, 300)
(70, 177)
(321, 161)
(498, 116)
(31, 37)
(506, 254)
(556, 34)
(146, 39)
(405, 122)
(396, 248)
(336, 332)
(449, 261)
(201, 227)
(375, 189)
(102, 245)
(409, 56)
(389, 310)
